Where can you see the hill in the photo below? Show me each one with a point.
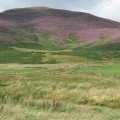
(36, 25)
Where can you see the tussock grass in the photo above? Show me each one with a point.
(59, 92)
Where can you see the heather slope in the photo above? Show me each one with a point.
(57, 25)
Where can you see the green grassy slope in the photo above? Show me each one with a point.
(104, 51)
(34, 53)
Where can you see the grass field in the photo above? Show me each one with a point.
(73, 84)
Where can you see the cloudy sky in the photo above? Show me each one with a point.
(103, 8)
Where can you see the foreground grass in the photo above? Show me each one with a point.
(40, 84)
(56, 92)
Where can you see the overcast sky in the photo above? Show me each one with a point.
(103, 8)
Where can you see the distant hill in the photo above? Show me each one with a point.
(50, 26)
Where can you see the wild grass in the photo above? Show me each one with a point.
(39, 91)
(40, 84)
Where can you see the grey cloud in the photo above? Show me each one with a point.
(63, 4)
(96, 7)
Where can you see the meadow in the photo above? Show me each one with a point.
(70, 84)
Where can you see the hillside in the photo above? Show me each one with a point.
(58, 65)
(36, 25)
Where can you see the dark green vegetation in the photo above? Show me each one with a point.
(81, 83)
(99, 52)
